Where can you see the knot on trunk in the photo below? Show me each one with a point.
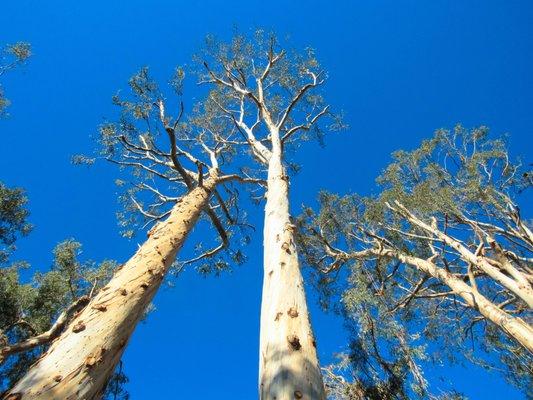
(285, 246)
(298, 394)
(90, 361)
(14, 396)
(123, 292)
(292, 312)
(152, 230)
(294, 342)
(278, 316)
(78, 327)
(290, 227)
(58, 378)
(100, 307)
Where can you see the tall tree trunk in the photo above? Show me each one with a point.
(79, 363)
(288, 364)
(513, 326)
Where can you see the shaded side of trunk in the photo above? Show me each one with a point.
(288, 364)
(513, 326)
(79, 363)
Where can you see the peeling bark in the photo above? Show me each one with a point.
(288, 363)
(79, 363)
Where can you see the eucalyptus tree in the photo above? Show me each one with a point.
(270, 99)
(172, 173)
(33, 312)
(11, 56)
(442, 250)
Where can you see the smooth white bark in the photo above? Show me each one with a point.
(288, 364)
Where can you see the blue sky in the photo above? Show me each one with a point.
(398, 69)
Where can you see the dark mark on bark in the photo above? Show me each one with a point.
(90, 361)
(80, 326)
(294, 341)
(292, 312)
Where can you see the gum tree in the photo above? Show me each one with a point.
(34, 312)
(172, 175)
(443, 243)
(270, 99)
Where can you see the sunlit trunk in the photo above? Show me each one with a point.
(79, 363)
(288, 364)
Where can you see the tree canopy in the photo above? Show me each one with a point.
(453, 197)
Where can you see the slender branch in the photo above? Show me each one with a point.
(306, 126)
(173, 150)
(303, 90)
(207, 254)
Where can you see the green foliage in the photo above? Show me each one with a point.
(20, 51)
(459, 180)
(30, 308)
(139, 145)
(162, 153)
(242, 61)
(13, 215)
(11, 56)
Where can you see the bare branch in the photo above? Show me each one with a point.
(303, 90)
(232, 85)
(305, 126)
(206, 254)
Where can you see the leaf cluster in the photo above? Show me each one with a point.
(11, 56)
